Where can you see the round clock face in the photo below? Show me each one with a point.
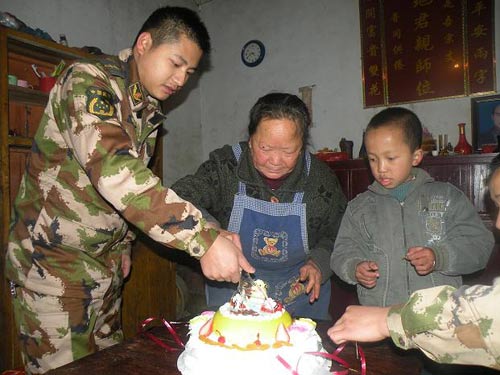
(253, 53)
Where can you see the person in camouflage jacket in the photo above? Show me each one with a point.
(453, 326)
(87, 176)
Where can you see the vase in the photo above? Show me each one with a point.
(463, 147)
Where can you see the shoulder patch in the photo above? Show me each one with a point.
(100, 103)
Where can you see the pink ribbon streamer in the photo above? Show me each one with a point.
(171, 330)
(334, 357)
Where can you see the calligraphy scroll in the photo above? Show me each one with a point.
(426, 49)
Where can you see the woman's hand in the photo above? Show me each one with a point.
(126, 265)
(311, 273)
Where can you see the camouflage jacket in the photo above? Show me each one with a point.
(449, 325)
(87, 176)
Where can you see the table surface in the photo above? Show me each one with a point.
(140, 355)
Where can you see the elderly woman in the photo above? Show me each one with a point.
(285, 204)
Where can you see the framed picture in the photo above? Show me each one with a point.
(485, 121)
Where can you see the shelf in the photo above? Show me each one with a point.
(19, 141)
(27, 96)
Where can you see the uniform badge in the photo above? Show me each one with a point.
(136, 93)
(100, 103)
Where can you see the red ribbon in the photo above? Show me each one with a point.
(170, 328)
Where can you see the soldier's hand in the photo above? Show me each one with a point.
(367, 273)
(422, 258)
(126, 265)
(224, 260)
(361, 323)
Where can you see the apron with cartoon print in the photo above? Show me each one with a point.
(274, 241)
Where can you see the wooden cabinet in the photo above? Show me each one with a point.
(467, 172)
(150, 290)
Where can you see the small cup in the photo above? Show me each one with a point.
(23, 83)
(435, 152)
(12, 79)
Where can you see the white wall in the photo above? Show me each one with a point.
(307, 42)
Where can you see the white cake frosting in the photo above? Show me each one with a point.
(246, 336)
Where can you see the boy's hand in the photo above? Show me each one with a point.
(422, 258)
(367, 273)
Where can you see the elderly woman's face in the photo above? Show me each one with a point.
(275, 147)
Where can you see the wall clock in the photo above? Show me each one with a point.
(253, 53)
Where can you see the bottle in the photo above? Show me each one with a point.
(63, 40)
(463, 147)
(362, 150)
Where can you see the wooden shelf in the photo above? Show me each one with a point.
(19, 141)
(27, 95)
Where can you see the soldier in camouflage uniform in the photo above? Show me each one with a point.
(455, 326)
(69, 245)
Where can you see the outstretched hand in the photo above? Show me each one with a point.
(361, 323)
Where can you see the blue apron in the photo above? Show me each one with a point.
(274, 240)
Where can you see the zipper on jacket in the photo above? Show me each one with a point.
(401, 204)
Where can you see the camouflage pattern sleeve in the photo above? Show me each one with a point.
(455, 326)
(105, 145)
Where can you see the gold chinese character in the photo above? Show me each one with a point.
(396, 33)
(397, 49)
(424, 88)
(373, 50)
(422, 21)
(449, 57)
(478, 8)
(370, 13)
(374, 89)
(423, 43)
(373, 69)
(423, 65)
(479, 30)
(448, 4)
(449, 38)
(395, 17)
(480, 75)
(421, 3)
(371, 31)
(399, 64)
(481, 53)
(448, 21)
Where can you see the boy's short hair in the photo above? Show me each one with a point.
(167, 24)
(402, 118)
(279, 106)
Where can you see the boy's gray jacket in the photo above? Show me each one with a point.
(379, 228)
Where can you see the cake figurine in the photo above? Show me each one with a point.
(252, 334)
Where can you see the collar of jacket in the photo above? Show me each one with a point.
(139, 96)
(247, 173)
(421, 177)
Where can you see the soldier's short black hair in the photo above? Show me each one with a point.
(277, 106)
(167, 24)
(402, 118)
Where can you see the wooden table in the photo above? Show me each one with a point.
(140, 355)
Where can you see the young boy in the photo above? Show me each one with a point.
(406, 232)
(69, 245)
(444, 322)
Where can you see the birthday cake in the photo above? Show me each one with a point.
(252, 335)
